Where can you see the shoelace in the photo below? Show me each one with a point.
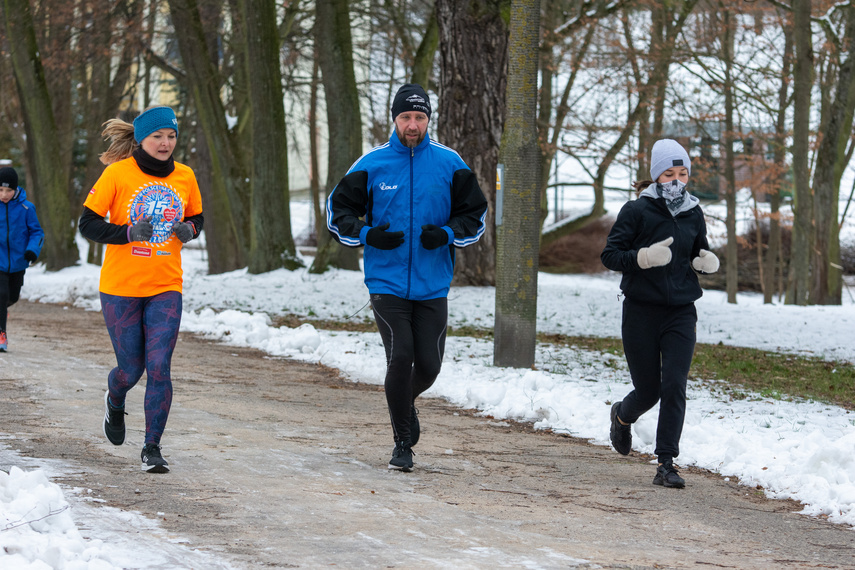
(117, 415)
(153, 450)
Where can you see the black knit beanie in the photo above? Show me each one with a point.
(410, 97)
(9, 177)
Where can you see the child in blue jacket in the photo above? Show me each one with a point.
(21, 239)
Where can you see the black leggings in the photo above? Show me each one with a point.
(10, 292)
(659, 342)
(413, 334)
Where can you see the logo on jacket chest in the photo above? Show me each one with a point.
(384, 186)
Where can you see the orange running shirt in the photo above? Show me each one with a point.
(127, 194)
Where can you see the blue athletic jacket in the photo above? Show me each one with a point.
(19, 232)
(408, 188)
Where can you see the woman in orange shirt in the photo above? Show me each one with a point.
(154, 207)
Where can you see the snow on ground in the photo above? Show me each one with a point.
(798, 450)
(43, 527)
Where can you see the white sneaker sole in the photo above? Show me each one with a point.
(155, 468)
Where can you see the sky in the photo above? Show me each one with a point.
(798, 450)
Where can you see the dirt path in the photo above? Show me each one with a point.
(283, 465)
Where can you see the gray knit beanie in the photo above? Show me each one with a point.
(667, 153)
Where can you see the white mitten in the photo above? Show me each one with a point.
(705, 262)
(656, 255)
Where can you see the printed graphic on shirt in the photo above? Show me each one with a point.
(160, 204)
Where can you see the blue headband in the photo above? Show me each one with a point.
(153, 120)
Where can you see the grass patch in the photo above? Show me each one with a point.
(738, 370)
(777, 375)
(743, 370)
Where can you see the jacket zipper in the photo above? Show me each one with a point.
(8, 242)
(672, 266)
(412, 231)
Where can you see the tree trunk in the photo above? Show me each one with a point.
(227, 232)
(426, 54)
(836, 128)
(473, 40)
(271, 243)
(43, 138)
(518, 228)
(773, 252)
(344, 119)
(732, 262)
(798, 287)
(315, 175)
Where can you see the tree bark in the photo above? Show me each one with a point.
(271, 243)
(344, 119)
(426, 54)
(473, 40)
(44, 155)
(518, 229)
(732, 262)
(773, 252)
(798, 287)
(826, 282)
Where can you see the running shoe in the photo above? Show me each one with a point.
(667, 476)
(114, 421)
(152, 460)
(402, 457)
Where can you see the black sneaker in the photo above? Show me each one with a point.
(620, 434)
(152, 460)
(114, 421)
(667, 476)
(402, 457)
(415, 429)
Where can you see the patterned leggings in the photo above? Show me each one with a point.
(143, 331)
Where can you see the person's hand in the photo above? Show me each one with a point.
(433, 236)
(656, 255)
(141, 231)
(183, 231)
(381, 239)
(705, 262)
(30, 256)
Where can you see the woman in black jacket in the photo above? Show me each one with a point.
(659, 242)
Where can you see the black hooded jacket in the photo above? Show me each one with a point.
(642, 223)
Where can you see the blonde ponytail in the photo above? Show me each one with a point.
(122, 143)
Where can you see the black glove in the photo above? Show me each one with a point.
(141, 231)
(183, 231)
(433, 236)
(381, 239)
(30, 256)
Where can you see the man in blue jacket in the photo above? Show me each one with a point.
(21, 239)
(410, 202)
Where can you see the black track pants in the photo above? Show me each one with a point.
(10, 292)
(659, 342)
(413, 334)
